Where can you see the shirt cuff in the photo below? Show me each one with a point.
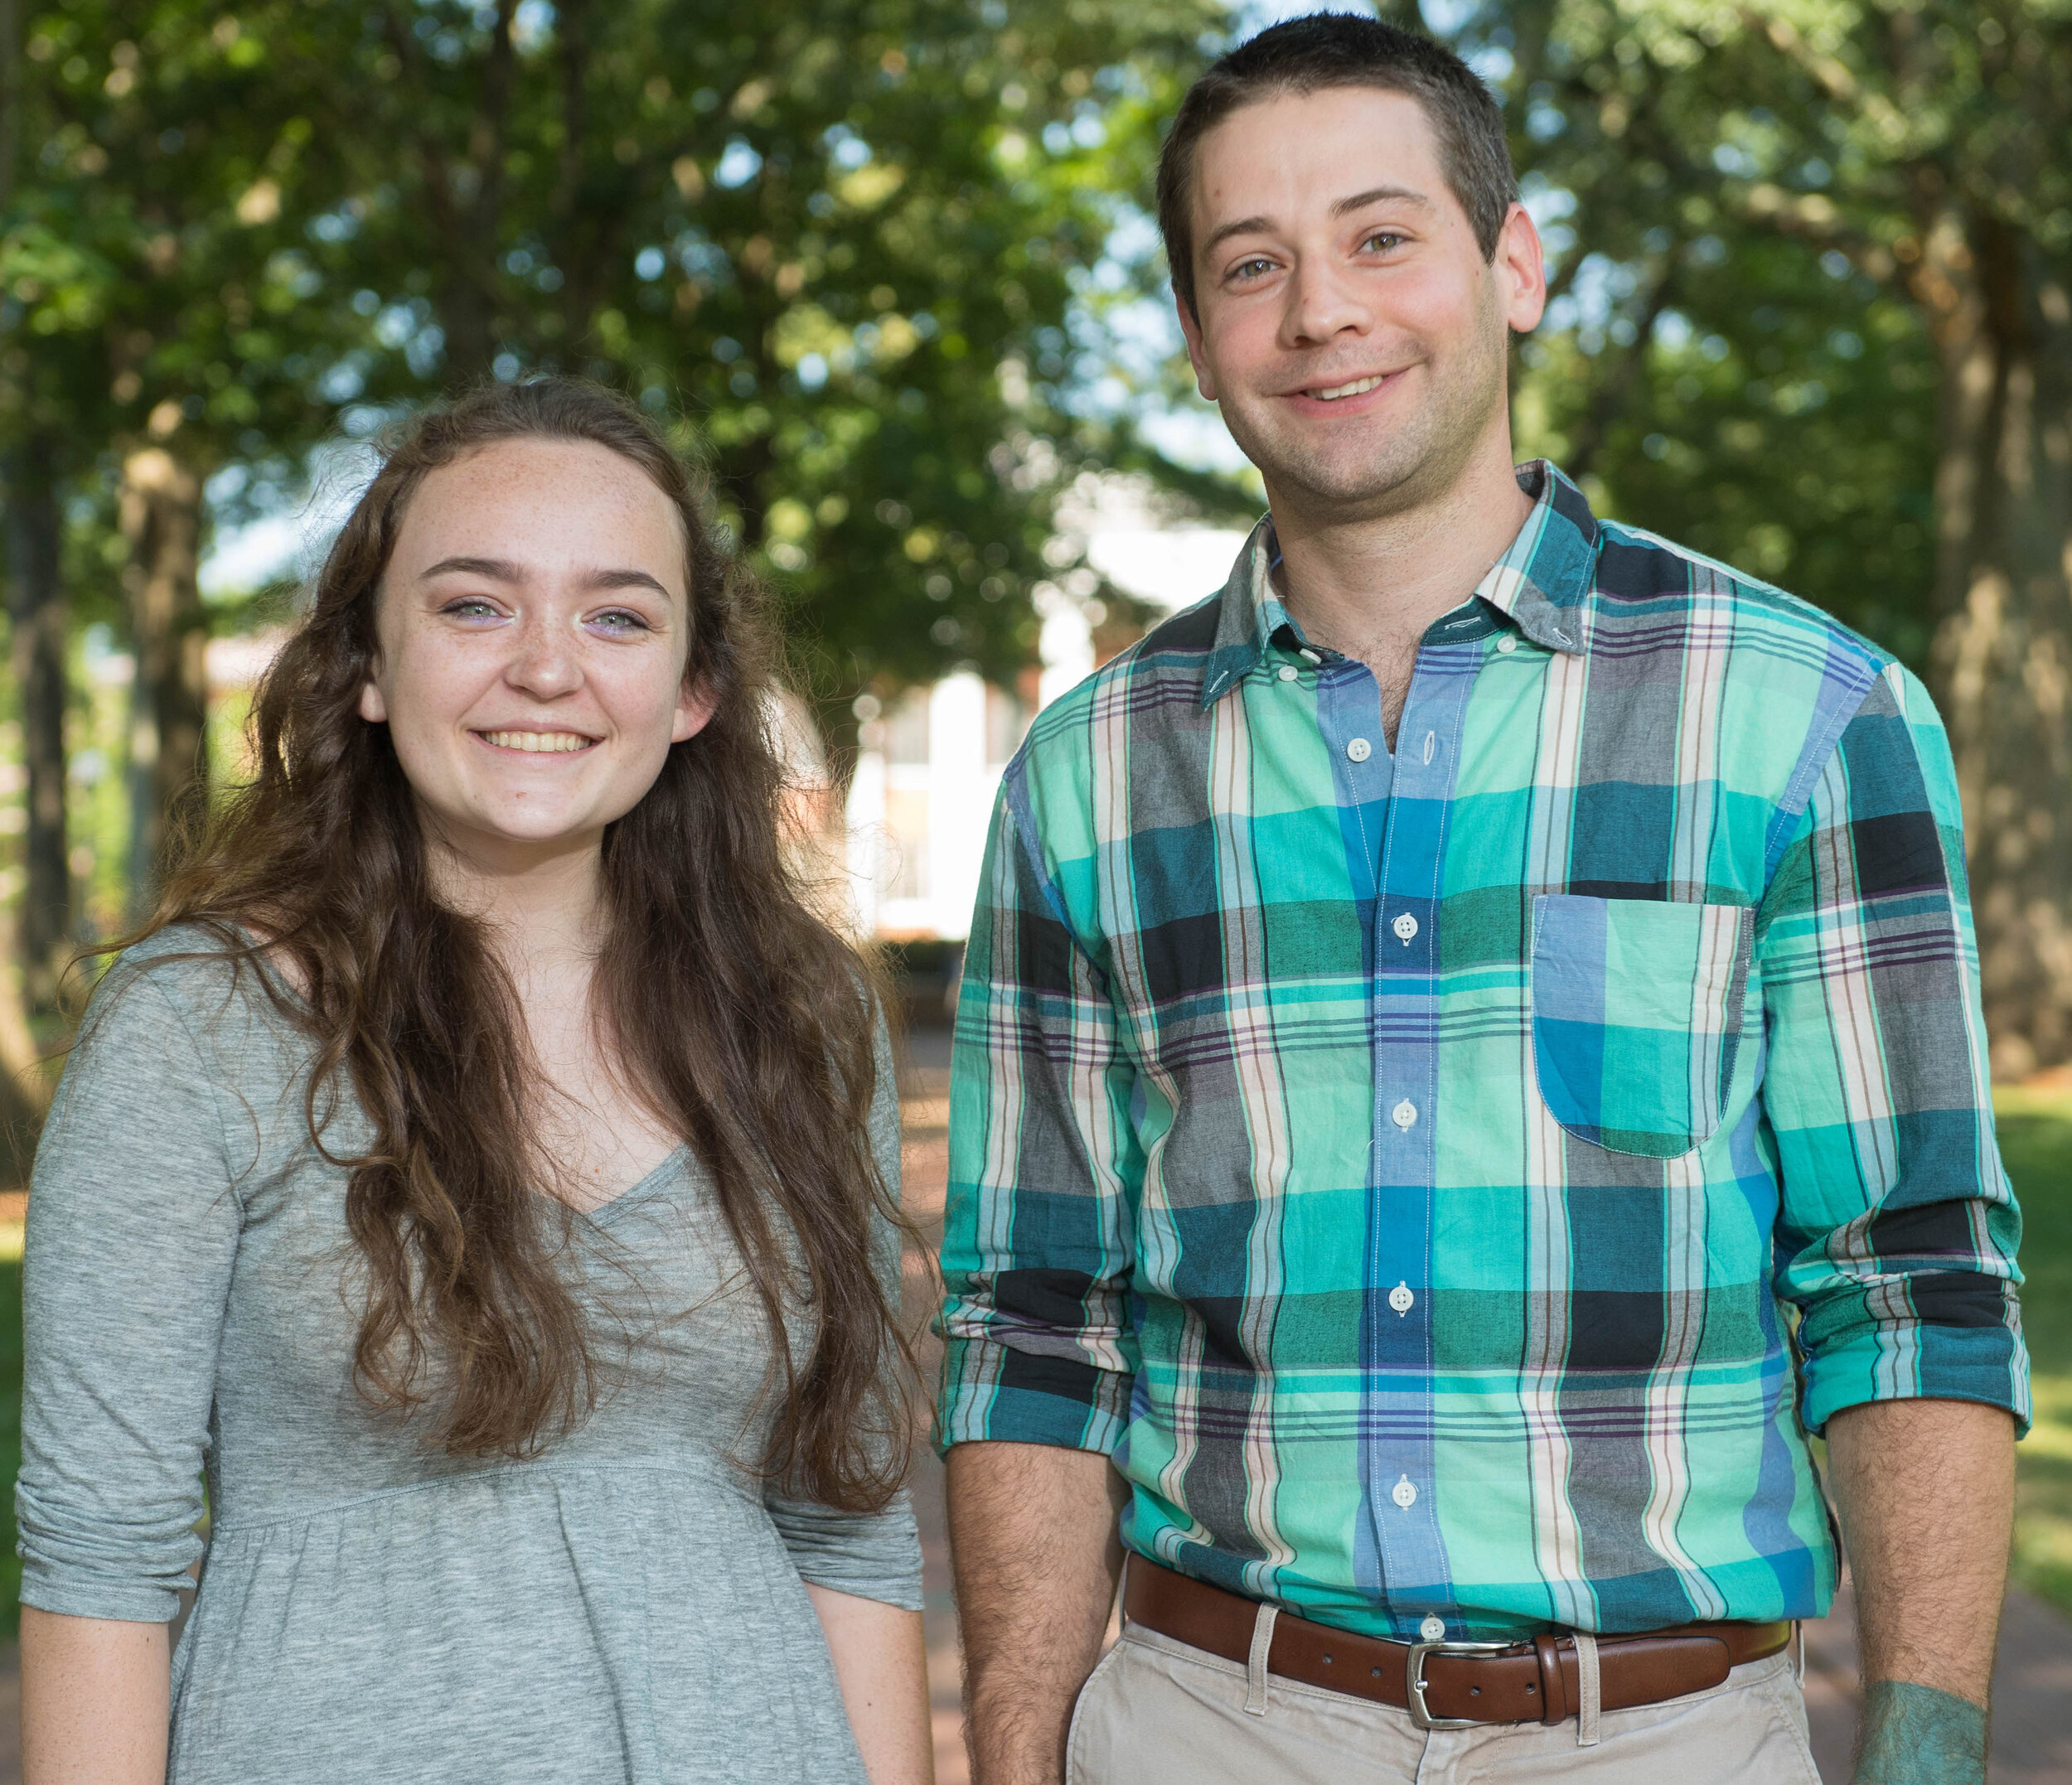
(993, 1391)
(1900, 1360)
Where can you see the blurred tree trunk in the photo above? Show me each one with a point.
(2002, 323)
(36, 608)
(161, 520)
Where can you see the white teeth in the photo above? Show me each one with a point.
(1353, 389)
(553, 743)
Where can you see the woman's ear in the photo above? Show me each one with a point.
(695, 705)
(373, 709)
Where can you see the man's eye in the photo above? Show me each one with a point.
(1382, 240)
(1252, 269)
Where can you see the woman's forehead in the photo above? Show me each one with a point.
(544, 504)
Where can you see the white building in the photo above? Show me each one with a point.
(931, 765)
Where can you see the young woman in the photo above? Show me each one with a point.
(482, 1164)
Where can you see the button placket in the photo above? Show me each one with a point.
(1400, 1480)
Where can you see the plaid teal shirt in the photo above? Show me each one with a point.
(1451, 1184)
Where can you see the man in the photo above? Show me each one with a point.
(1438, 1013)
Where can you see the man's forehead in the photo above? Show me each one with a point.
(1339, 149)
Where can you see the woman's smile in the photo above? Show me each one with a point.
(537, 744)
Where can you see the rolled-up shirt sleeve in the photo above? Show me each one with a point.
(133, 1234)
(1898, 1228)
(1046, 1169)
(874, 1555)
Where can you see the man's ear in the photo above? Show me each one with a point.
(695, 705)
(1191, 327)
(1520, 263)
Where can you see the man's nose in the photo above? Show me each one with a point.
(1323, 303)
(546, 662)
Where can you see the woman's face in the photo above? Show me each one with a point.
(532, 629)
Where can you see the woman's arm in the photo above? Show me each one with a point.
(882, 1665)
(133, 1236)
(93, 1701)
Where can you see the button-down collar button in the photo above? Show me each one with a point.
(1287, 672)
(1506, 644)
(1359, 749)
(1404, 1493)
(1401, 1298)
(1404, 1113)
(1405, 927)
(1432, 1630)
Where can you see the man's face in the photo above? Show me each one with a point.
(1347, 322)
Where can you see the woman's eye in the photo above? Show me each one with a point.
(471, 608)
(619, 619)
(1382, 240)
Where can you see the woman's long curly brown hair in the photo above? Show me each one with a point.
(741, 1019)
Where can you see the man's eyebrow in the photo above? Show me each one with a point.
(1358, 201)
(1375, 194)
(502, 570)
(1243, 226)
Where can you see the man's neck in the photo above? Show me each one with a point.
(1367, 585)
(1364, 582)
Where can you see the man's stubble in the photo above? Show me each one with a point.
(1393, 471)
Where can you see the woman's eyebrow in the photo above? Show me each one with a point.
(625, 579)
(496, 569)
(503, 570)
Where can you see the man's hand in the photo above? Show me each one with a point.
(1034, 1543)
(1926, 1490)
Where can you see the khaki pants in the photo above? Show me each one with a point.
(1156, 1711)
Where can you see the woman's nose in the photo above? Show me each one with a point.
(545, 661)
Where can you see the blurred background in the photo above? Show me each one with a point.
(887, 268)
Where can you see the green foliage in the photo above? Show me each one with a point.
(156, 279)
(1744, 202)
(2035, 1140)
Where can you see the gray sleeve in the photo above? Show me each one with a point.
(133, 1231)
(875, 1556)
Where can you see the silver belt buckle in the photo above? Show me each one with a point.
(1414, 1681)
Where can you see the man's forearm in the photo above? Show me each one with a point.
(1034, 1542)
(1926, 1490)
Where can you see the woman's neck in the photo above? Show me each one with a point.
(543, 910)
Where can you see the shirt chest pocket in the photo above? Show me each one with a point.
(1637, 1013)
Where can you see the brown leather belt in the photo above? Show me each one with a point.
(1534, 1681)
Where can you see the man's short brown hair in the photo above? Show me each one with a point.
(1305, 56)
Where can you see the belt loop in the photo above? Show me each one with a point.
(1256, 1666)
(1798, 1637)
(1589, 1688)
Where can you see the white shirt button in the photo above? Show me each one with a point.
(1432, 1630)
(1359, 749)
(1287, 672)
(1404, 1493)
(1506, 644)
(1405, 927)
(1404, 1113)
(1401, 1298)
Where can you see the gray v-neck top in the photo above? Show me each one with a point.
(629, 1606)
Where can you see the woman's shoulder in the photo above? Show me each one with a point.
(192, 974)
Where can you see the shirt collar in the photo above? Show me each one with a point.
(1539, 584)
